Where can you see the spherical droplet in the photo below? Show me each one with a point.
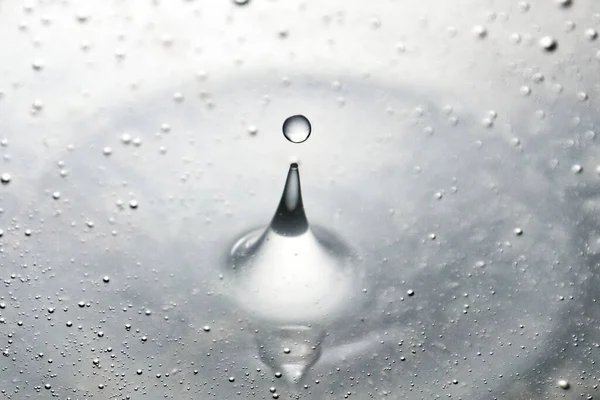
(577, 169)
(591, 34)
(296, 128)
(5, 178)
(252, 130)
(206, 328)
(564, 3)
(518, 231)
(548, 43)
(106, 279)
(410, 292)
(564, 384)
(479, 31)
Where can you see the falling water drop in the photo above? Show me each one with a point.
(297, 128)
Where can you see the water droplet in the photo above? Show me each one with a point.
(577, 169)
(5, 178)
(591, 34)
(241, 2)
(524, 6)
(125, 138)
(56, 195)
(564, 3)
(206, 328)
(37, 65)
(297, 128)
(518, 231)
(315, 284)
(106, 279)
(548, 43)
(133, 204)
(479, 31)
(107, 151)
(538, 77)
(37, 105)
(252, 130)
(525, 90)
(231, 379)
(564, 384)
(69, 324)
(410, 292)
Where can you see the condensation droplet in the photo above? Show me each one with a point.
(564, 3)
(548, 43)
(564, 384)
(5, 178)
(577, 169)
(479, 31)
(591, 34)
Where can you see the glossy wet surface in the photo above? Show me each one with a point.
(470, 205)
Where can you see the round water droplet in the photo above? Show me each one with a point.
(564, 384)
(480, 31)
(591, 34)
(5, 178)
(564, 3)
(106, 279)
(548, 43)
(296, 128)
(525, 90)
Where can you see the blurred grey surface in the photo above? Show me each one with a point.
(453, 147)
